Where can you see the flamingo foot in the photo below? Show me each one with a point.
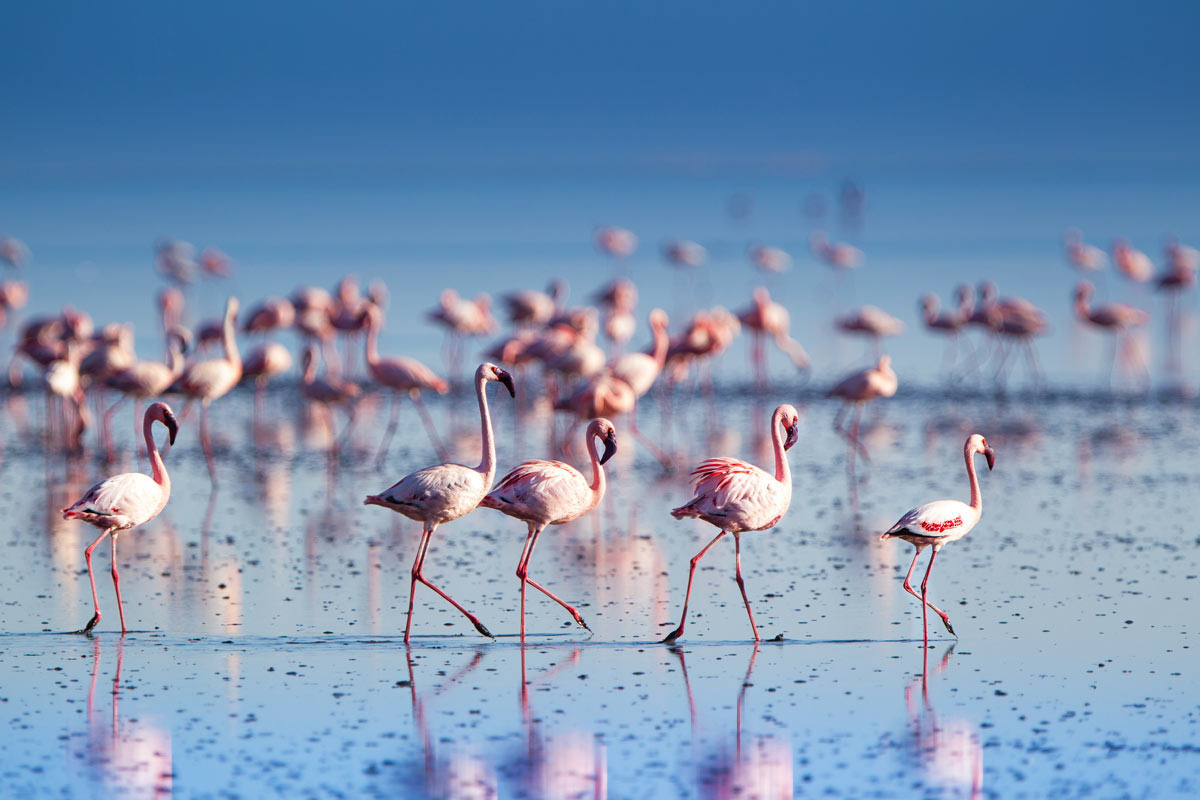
(479, 626)
(582, 624)
(87, 629)
(672, 636)
(949, 627)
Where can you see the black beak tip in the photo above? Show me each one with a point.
(507, 380)
(172, 427)
(610, 448)
(991, 458)
(792, 435)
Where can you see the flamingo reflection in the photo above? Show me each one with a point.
(949, 752)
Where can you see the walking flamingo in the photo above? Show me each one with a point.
(445, 492)
(1117, 318)
(768, 318)
(212, 379)
(1081, 255)
(939, 523)
(859, 389)
(872, 322)
(125, 501)
(737, 497)
(400, 374)
(551, 493)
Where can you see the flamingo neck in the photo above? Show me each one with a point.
(174, 357)
(976, 496)
(783, 471)
(598, 478)
(1083, 308)
(662, 343)
(230, 341)
(310, 371)
(488, 465)
(372, 343)
(156, 462)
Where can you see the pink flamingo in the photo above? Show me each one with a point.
(771, 260)
(175, 260)
(616, 243)
(1115, 317)
(445, 492)
(684, 254)
(939, 523)
(125, 501)
(618, 299)
(401, 374)
(461, 318)
(264, 363)
(215, 262)
(143, 380)
(859, 389)
(1178, 276)
(1133, 264)
(212, 379)
(271, 314)
(838, 255)
(949, 323)
(768, 318)
(552, 493)
(533, 308)
(872, 322)
(328, 391)
(737, 497)
(13, 252)
(1081, 255)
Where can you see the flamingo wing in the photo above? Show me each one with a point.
(128, 499)
(936, 520)
(725, 482)
(545, 490)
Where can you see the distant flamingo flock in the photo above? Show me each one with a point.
(551, 356)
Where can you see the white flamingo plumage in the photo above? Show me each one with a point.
(765, 317)
(736, 497)
(870, 321)
(328, 391)
(860, 388)
(838, 255)
(1117, 318)
(445, 492)
(938, 523)
(212, 379)
(1081, 255)
(1132, 263)
(552, 493)
(125, 501)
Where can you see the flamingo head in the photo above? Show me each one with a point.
(606, 431)
(490, 372)
(790, 420)
(978, 444)
(659, 320)
(929, 304)
(1083, 290)
(163, 413)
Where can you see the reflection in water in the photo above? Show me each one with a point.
(131, 758)
(758, 768)
(949, 752)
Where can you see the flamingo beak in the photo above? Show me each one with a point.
(172, 426)
(792, 435)
(990, 455)
(504, 377)
(374, 500)
(610, 447)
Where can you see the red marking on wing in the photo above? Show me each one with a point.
(723, 468)
(939, 527)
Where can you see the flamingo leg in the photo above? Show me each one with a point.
(658, 452)
(523, 574)
(87, 555)
(117, 582)
(393, 420)
(924, 597)
(675, 634)
(206, 443)
(429, 428)
(417, 575)
(737, 550)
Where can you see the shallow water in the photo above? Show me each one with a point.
(265, 653)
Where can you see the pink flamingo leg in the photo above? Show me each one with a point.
(432, 431)
(908, 588)
(417, 576)
(393, 421)
(206, 444)
(117, 582)
(737, 549)
(675, 634)
(87, 555)
(523, 574)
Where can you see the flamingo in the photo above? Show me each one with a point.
(212, 379)
(769, 259)
(461, 318)
(13, 252)
(1115, 317)
(215, 262)
(329, 390)
(838, 255)
(533, 308)
(949, 323)
(872, 322)
(1133, 264)
(125, 501)
(175, 260)
(683, 253)
(552, 493)
(736, 497)
(445, 492)
(617, 243)
(1081, 255)
(1178, 276)
(860, 388)
(618, 299)
(939, 523)
(271, 314)
(264, 363)
(142, 380)
(768, 318)
(400, 374)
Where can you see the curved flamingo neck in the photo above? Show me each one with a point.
(598, 477)
(783, 471)
(372, 343)
(488, 465)
(662, 342)
(156, 462)
(230, 340)
(175, 361)
(976, 495)
(1083, 309)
